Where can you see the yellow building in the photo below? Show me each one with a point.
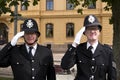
(58, 21)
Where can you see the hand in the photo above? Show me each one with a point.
(16, 37)
(78, 37)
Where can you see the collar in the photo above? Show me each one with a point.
(34, 47)
(94, 46)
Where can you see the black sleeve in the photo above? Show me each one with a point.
(5, 55)
(68, 59)
(112, 74)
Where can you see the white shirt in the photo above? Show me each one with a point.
(94, 46)
(33, 50)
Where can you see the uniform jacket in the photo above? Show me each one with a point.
(99, 65)
(40, 68)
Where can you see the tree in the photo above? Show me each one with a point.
(116, 30)
(112, 5)
(5, 5)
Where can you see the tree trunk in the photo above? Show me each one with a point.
(116, 34)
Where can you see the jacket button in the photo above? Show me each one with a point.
(32, 60)
(103, 64)
(93, 59)
(33, 77)
(33, 69)
(70, 49)
(93, 67)
(17, 62)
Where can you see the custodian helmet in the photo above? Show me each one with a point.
(30, 26)
(91, 20)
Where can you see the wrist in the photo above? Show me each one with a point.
(74, 44)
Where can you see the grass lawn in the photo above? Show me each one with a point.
(4, 78)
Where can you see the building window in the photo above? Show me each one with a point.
(92, 5)
(49, 4)
(69, 6)
(69, 30)
(49, 30)
(23, 7)
(3, 33)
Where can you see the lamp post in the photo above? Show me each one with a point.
(15, 19)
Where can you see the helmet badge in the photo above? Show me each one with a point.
(29, 24)
(91, 19)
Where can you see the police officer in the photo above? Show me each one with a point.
(29, 61)
(94, 60)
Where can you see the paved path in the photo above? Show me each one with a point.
(65, 77)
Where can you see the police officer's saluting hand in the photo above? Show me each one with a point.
(94, 60)
(29, 61)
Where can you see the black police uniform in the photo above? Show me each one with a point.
(40, 67)
(95, 67)
(25, 67)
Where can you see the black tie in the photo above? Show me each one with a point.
(30, 52)
(90, 50)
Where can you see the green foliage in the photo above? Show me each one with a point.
(109, 4)
(35, 2)
(85, 4)
(3, 8)
(5, 5)
(13, 3)
(80, 11)
(25, 3)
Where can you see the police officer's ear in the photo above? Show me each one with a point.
(85, 30)
(38, 34)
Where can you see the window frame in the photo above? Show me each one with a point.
(70, 28)
(49, 5)
(23, 7)
(68, 5)
(49, 26)
(92, 5)
(3, 33)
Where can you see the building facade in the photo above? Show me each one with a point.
(58, 22)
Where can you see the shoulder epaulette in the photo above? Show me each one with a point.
(107, 46)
